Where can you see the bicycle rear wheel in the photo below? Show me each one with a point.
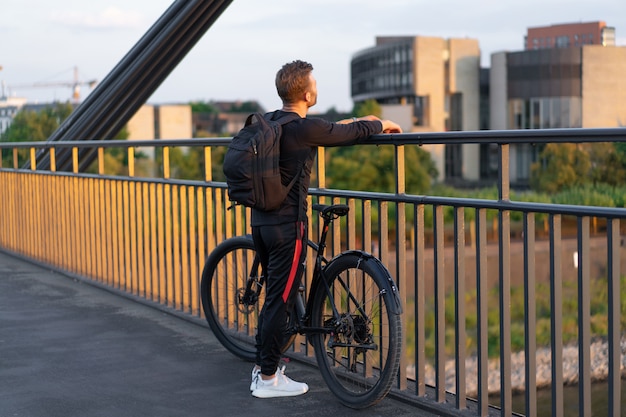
(224, 279)
(233, 295)
(360, 355)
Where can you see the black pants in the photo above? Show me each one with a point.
(282, 249)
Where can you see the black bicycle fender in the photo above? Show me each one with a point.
(391, 288)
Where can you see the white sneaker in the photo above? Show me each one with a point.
(279, 386)
(256, 374)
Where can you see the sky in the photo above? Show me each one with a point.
(237, 58)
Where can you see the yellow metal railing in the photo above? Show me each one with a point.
(147, 238)
(150, 236)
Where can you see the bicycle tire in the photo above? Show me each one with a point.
(359, 375)
(224, 277)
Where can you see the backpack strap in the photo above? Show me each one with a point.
(289, 117)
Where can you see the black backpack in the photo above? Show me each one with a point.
(251, 163)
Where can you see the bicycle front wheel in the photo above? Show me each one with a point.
(359, 354)
(231, 268)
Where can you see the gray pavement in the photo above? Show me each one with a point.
(68, 348)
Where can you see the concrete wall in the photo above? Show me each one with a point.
(498, 99)
(429, 77)
(604, 86)
(171, 121)
(141, 125)
(174, 121)
(449, 66)
(464, 77)
(399, 113)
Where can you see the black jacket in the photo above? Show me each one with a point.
(298, 146)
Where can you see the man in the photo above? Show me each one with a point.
(280, 235)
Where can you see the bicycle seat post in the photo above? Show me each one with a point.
(324, 234)
(328, 213)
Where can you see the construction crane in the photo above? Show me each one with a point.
(75, 85)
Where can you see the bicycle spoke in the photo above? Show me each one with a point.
(232, 304)
(359, 353)
(351, 296)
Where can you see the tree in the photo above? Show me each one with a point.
(367, 107)
(202, 107)
(37, 126)
(34, 126)
(566, 165)
(116, 159)
(560, 165)
(187, 163)
(608, 161)
(370, 168)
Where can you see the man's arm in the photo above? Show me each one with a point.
(388, 125)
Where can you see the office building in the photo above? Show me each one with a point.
(428, 84)
(558, 87)
(569, 35)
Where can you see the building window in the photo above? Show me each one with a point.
(421, 111)
(546, 113)
(455, 120)
(454, 161)
(489, 161)
(525, 155)
(535, 117)
(562, 41)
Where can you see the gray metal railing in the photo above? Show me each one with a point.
(150, 236)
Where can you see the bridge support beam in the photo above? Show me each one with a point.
(134, 79)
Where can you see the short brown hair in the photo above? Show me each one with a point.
(292, 80)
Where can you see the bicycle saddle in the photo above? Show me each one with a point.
(335, 209)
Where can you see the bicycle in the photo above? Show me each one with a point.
(351, 316)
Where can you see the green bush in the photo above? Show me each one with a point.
(585, 196)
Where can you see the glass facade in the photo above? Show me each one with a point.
(545, 113)
(383, 71)
(545, 89)
(544, 73)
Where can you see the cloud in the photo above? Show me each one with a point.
(109, 18)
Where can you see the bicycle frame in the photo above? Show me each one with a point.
(303, 309)
(350, 313)
(302, 306)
